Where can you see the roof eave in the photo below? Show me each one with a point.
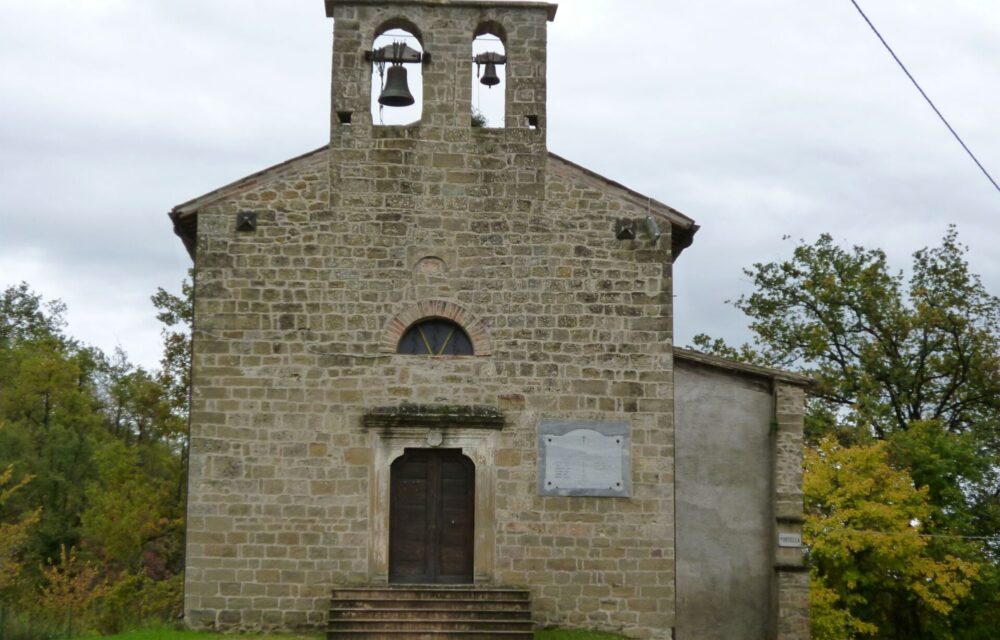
(734, 366)
(186, 229)
(682, 227)
(194, 204)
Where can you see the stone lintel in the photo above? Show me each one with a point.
(434, 415)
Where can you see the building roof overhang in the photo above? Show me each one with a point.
(742, 368)
(683, 228)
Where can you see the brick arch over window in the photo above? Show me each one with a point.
(481, 345)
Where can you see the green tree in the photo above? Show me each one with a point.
(176, 312)
(127, 505)
(104, 442)
(51, 420)
(24, 315)
(912, 361)
(140, 405)
(887, 352)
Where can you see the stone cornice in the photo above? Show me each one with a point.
(434, 415)
(474, 4)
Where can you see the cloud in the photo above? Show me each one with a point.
(758, 118)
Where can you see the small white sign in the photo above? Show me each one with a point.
(789, 539)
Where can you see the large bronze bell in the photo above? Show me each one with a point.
(490, 77)
(396, 92)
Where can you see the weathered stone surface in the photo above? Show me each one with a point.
(296, 325)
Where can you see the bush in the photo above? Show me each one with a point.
(68, 594)
(136, 600)
(21, 626)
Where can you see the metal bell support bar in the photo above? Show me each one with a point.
(396, 53)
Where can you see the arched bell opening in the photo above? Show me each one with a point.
(489, 76)
(397, 91)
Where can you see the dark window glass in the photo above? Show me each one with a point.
(435, 337)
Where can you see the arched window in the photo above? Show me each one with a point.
(489, 77)
(390, 34)
(435, 337)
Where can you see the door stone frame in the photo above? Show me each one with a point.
(478, 445)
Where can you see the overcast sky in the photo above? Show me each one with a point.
(758, 118)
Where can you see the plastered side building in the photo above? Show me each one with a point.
(441, 354)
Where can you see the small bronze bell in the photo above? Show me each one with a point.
(396, 92)
(490, 77)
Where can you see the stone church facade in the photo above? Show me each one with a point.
(333, 447)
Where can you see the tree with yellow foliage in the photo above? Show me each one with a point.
(69, 590)
(12, 535)
(875, 572)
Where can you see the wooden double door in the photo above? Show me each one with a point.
(431, 517)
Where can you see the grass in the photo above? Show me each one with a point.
(571, 634)
(171, 634)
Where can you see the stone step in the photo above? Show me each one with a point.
(429, 634)
(429, 603)
(419, 593)
(343, 613)
(419, 612)
(447, 624)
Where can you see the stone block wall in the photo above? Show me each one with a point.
(791, 606)
(292, 321)
(288, 359)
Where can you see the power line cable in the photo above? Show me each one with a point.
(926, 97)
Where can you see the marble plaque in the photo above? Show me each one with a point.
(583, 458)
